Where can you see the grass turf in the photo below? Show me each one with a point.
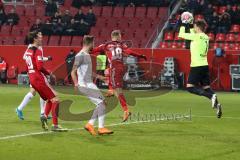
(204, 137)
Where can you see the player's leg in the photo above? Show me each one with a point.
(96, 97)
(42, 106)
(27, 98)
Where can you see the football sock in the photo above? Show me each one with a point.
(42, 106)
(101, 114)
(25, 100)
(55, 107)
(94, 116)
(123, 102)
(200, 92)
(47, 108)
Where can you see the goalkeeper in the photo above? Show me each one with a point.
(199, 72)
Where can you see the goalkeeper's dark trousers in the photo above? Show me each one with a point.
(201, 92)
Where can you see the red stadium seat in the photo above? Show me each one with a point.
(54, 41)
(20, 10)
(65, 40)
(226, 46)
(25, 30)
(112, 23)
(5, 30)
(183, 45)
(162, 12)
(136, 43)
(107, 11)
(67, 3)
(95, 31)
(8, 8)
(146, 23)
(173, 45)
(97, 10)
(118, 12)
(140, 12)
(45, 40)
(16, 31)
(123, 24)
(152, 12)
(19, 40)
(220, 37)
(222, 9)
(76, 41)
(128, 34)
(134, 23)
(8, 40)
(235, 28)
(198, 17)
(211, 37)
(105, 33)
(12, 72)
(163, 45)
(168, 36)
(101, 22)
(73, 10)
(29, 11)
(230, 37)
(140, 34)
(129, 12)
(176, 38)
(216, 45)
(40, 11)
(236, 46)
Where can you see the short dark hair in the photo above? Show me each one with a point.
(88, 39)
(31, 36)
(201, 24)
(116, 33)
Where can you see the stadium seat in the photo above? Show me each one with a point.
(76, 41)
(105, 33)
(128, 34)
(65, 40)
(176, 38)
(236, 46)
(45, 40)
(211, 37)
(162, 13)
(8, 8)
(123, 24)
(5, 30)
(230, 37)
(182, 45)
(67, 3)
(146, 23)
(53, 41)
(16, 31)
(173, 45)
(112, 23)
(220, 37)
(140, 34)
(73, 10)
(101, 22)
(134, 23)
(163, 45)
(20, 10)
(40, 11)
(118, 12)
(168, 36)
(8, 40)
(29, 11)
(19, 40)
(25, 30)
(12, 72)
(129, 12)
(222, 9)
(95, 31)
(152, 12)
(140, 12)
(107, 11)
(97, 10)
(216, 45)
(198, 17)
(226, 46)
(235, 28)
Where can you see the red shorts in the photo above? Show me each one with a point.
(40, 84)
(116, 77)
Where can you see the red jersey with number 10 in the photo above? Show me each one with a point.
(115, 51)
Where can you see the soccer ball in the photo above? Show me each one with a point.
(187, 17)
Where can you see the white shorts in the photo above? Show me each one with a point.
(92, 92)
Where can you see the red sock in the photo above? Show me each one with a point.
(123, 102)
(55, 106)
(48, 108)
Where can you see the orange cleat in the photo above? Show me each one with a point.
(126, 115)
(103, 131)
(90, 128)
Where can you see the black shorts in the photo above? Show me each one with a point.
(199, 76)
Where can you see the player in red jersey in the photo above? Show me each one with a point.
(115, 50)
(37, 73)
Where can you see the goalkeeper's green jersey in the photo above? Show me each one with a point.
(199, 46)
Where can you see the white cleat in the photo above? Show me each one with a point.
(219, 110)
(214, 101)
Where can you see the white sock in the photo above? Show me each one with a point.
(42, 106)
(25, 100)
(94, 117)
(101, 114)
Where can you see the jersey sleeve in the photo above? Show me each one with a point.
(78, 60)
(187, 36)
(130, 52)
(39, 62)
(98, 49)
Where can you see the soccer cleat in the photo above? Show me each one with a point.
(219, 110)
(49, 117)
(58, 128)
(126, 115)
(44, 123)
(214, 101)
(104, 131)
(90, 128)
(19, 114)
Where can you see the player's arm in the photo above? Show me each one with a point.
(133, 53)
(77, 62)
(97, 50)
(97, 76)
(39, 62)
(187, 36)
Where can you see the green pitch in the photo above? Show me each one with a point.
(195, 135)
